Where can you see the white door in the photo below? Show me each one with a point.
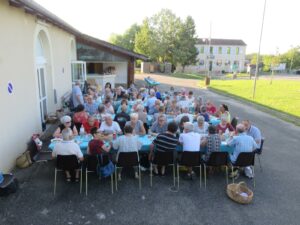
(78, 72)
(42, 92)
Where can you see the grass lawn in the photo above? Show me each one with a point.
(188, 76)
(282, 95)
(239, 75)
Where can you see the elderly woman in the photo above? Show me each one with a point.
(161, 111)
(201, 126)
(101, 113)
(119, 93)
(159, 126)
(109, 109)
(173, 109)
(90, 123)
(136, 124)
(210, 107)
(224, 125)
(198, 103)
(127, 143)
(212, 142)
(224, 112)
(66, 122)
(124, 102)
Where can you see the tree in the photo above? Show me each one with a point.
(185, 53)
(127, 40)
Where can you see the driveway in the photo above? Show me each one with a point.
(276, 196)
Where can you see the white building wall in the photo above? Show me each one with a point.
(20, 113)
(121, 71)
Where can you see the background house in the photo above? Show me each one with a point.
(219, 55)
(38, 54)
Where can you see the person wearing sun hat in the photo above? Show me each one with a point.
(66, 122)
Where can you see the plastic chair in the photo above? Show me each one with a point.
(189, 159)
(244, 159)
(163, 159)
(259, 151)
(128, 159)
(69, 163)
(217, 159)
(91, 162)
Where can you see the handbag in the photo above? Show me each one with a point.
(106, 170)
(24, 160)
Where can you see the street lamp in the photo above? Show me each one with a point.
(258, 53)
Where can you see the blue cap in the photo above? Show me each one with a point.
(1, 178)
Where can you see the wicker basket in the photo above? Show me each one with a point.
(239, 193)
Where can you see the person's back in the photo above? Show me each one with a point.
(212, 142)
(77, 96)
(189, 139)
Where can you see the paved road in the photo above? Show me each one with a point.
(276, 201)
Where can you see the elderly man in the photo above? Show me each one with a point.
(241, 143)
(159, 126)
(90, 106)
(77, 96)
(191, 142)
(68, 147)
(252, 131)
(151, 102)
(110, 126)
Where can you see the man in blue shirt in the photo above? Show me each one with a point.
(77, 96)
(151, 102)
(252, 131)
(90, 106)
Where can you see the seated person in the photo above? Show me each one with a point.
(185, 112)
(110, 126)
(66, 122)
(151, 102)
(136, 124)
(224, 111)
(252, 131)
(97, 146)
(119, 93)
(173, 109)
(109, 109)
(90, 106)
(223, 126)
(90, 123)
(201, 127)
(183, 120)
(157, 93)
(127, 143)
(80, 116)
(140, 110)
(159, 126)
(124, 102)
(210, 107)
(164, 142)
(191, 142)
(191, 98)
(101, 113)
(122, 117)
(161, 111)
(183, 102)
(197, 104)
(68, 147)
(204, 113)
(212, 142)
(241, 143)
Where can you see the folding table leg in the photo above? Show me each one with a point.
(178, 177)
(205, 176)
(200, 174)
(174, 179)
(80, 180)
(140, 178)
(112, 182)
(227, 175)
(151, 174)
(55, 173)
(116, 178)
(86, 182)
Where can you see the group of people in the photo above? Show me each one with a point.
(176, 117)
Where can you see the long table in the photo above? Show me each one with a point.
(145, 140)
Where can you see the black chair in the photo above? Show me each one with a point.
(91, 163)
(234, 122)
(9, 185)
(127, 159)
(259, 151)
(163, 159)
(244, 159)
(217, 159)
(69, 163)
(189, 159)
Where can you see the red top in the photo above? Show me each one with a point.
(95, 147)
(211, 109)
(223, 129)
(80, 117)
(88, 127)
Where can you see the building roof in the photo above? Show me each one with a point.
(40, 12)
(214, 41)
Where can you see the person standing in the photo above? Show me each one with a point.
(77, 96)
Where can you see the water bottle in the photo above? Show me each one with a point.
(81, 131)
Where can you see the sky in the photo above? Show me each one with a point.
(232, 19)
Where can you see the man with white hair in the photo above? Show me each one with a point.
(191, 142)
(136, 124)
(77, 96)
(68, 147)
(241, 143)
(110, 126)
(185, 112)
(151, 102)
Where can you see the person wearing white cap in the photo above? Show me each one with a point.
(66, 122)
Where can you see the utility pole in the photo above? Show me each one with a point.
(258, 53)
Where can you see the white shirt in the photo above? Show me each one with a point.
(190, 141)
(67, 148)
(203, 130)
(113, 128)
(183, 104)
